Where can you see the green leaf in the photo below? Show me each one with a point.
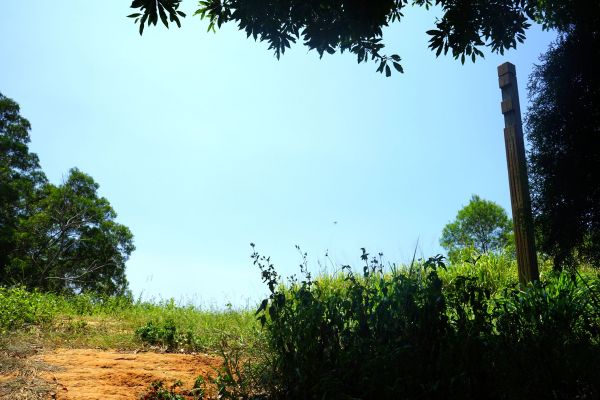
(153, 18)
(163, 16)
(388, 71)
(134, 15)
(263, 305)
(142, 23)
(439, 51)
(398, 67)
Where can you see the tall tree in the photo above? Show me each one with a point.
(481, 225)
(57, 238)
(71, 242)
(563, 128)
(20, 176)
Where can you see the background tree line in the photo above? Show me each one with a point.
(55, 238)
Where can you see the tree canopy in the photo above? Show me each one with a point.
(57, 238)
(563, 129)
(482, 225)
(465, 28)
(20, 176)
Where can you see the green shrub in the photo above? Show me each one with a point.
(18, 307)
(424, 332)
(158, 334)
(551, 332)
(165, 334)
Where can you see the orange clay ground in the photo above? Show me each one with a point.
(88, 374)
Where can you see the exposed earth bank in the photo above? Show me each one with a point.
(89, 374)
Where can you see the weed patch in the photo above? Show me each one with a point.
(429, 332)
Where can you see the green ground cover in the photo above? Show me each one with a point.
(88, 320)
(425, 330)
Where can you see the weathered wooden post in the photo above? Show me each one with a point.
(517, 175)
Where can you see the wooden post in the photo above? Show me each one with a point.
(517, 175)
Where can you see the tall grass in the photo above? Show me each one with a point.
(88, 320)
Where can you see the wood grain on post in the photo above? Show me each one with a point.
(517, 175)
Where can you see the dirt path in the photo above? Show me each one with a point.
(108, 375)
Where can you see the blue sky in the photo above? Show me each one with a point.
(205, 142)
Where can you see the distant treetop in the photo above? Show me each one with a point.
(481, 225)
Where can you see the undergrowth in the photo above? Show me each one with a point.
(422, 331)
(88, 320)
(431, 331)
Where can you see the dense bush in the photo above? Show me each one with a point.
(409, 334)
(168, 336)
(18, 307)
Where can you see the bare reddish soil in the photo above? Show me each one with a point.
(87, 374)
